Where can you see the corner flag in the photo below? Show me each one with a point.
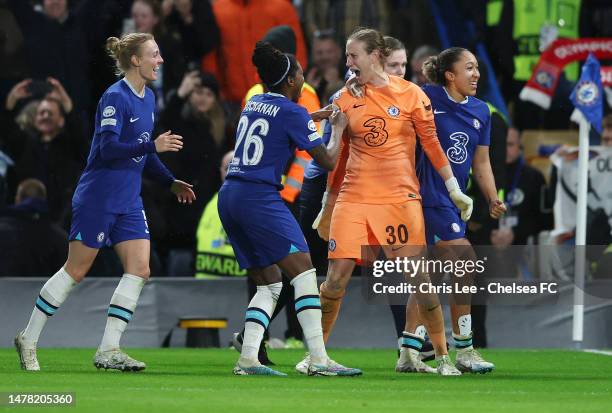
(587, 96)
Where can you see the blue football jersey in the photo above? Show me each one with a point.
(461, 127)
(314, 169)
(270, 128)
(114, 185)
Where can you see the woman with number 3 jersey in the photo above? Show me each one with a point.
(263, 232)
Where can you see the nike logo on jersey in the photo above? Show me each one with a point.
(437, 112)
(133, 120)
(358, 106)
(397, 248)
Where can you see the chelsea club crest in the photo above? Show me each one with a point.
(587, 93)
(393, 111)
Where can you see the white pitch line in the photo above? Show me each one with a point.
(602, 352)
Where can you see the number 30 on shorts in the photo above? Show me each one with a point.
(395, 234)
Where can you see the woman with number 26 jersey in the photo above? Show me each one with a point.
(262, 231)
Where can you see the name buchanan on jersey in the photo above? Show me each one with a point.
(263, 108)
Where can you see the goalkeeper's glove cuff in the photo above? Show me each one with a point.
(317, 220)
(452, 185)
(324, 199)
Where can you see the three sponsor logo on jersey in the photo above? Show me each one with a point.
(378, 135)
(458, 153)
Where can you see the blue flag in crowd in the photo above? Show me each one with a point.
(587, 96)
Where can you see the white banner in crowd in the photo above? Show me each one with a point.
(599, 193)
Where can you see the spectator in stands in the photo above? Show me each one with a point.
(412, 22)
(147, 17)
(26, 117)
(419, 56)
(185, 30)
(57, 44)
(12, 50)
(345, 15)
(606, 134)
(30, 244)
(524, 188)
(242, 23)
(604, 265)
(194, 112)
(55, 154)
(5, 163)
(326, 71)
(194, 22)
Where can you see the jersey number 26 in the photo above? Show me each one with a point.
(252, 141)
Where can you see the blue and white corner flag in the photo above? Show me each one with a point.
(587, 96)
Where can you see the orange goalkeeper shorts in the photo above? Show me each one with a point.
(354, 226)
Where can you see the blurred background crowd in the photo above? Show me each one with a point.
(54, 69)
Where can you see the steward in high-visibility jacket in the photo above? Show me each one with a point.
(531, 20)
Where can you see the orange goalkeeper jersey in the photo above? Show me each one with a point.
(381, 133)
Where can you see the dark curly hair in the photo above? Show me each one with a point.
(273, 66)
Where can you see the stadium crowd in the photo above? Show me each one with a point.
(54, 69)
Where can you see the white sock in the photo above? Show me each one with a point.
(120, 311)
(308, 310)
(257, 320)
(51, 296)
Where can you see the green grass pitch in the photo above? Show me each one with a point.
(200, 380)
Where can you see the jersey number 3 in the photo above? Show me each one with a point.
(253, 148)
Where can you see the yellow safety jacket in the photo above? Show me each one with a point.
(215, 256)
(494, 11)
(529, 18)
